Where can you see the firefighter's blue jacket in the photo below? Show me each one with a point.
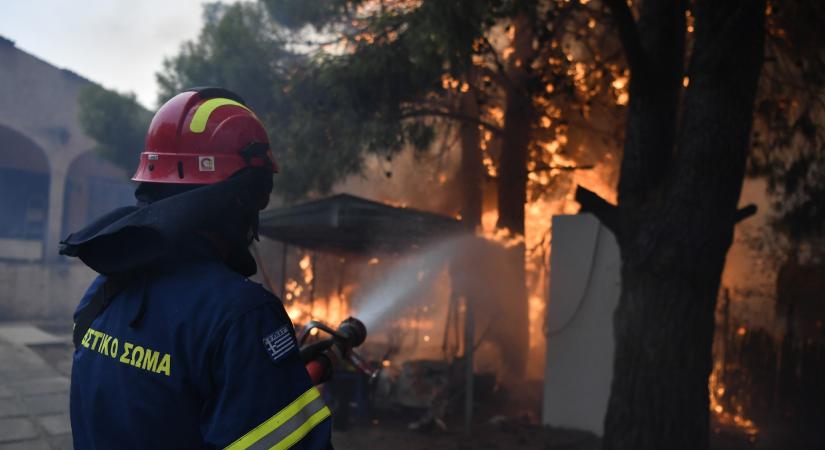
(193, 355)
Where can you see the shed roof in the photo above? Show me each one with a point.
(350, 224)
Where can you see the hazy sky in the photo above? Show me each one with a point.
(118, 43)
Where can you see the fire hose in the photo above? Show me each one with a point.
(321, 357)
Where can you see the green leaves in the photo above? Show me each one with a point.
(237, 49)
(298, 13)
(117, 122)
(788, 139)
(324, 112)
(376, 88)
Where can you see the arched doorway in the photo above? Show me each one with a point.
(94, 187)
(24, 196)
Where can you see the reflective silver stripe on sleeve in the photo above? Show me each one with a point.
(300, 423)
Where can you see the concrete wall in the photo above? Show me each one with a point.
(38, 108)
(584, 292)
(39, 101)
(41, 290)
(21, 249)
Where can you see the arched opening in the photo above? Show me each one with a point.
(94, 187)
(24, 196)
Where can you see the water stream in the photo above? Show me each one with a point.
(399, 285)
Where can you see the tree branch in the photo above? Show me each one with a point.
(744, 212)
(496, 77)
(628, 34)
(549, 167)
(452, 115)
(607, 213)
(501, 77)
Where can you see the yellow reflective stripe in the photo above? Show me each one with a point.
(205, 109)
(279, 419)
(302, 431)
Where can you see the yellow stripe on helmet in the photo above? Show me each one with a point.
(205, 110)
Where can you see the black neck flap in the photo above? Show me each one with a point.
(134, 237)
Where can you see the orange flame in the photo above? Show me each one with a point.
(330, 309)
(734, 418)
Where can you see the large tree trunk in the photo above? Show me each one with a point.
(518, 121)
(512, 185)
(676, 213)
(471, 168)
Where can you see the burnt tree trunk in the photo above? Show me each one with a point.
(518, 121)
(681, 176)
(471, 167)
(519, 116)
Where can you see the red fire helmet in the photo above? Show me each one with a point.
(202, 136)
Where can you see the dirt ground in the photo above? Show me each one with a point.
(390, 432)
(395, 436)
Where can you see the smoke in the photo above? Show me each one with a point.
(410, 298)
(413, 180)
(402, 285)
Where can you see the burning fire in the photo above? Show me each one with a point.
(538, 216)
(303, 303)
(538, 220)
(502, 236)
(332, 310)
(734, 418)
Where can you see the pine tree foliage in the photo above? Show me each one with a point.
(117, 122)
(789, 136)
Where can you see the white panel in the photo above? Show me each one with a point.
(584, 292)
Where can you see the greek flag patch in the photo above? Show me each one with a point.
(279, 344)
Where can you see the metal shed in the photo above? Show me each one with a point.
(345, 223)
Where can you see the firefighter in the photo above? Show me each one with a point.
(175, 347)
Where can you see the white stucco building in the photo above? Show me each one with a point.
(51, 183)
